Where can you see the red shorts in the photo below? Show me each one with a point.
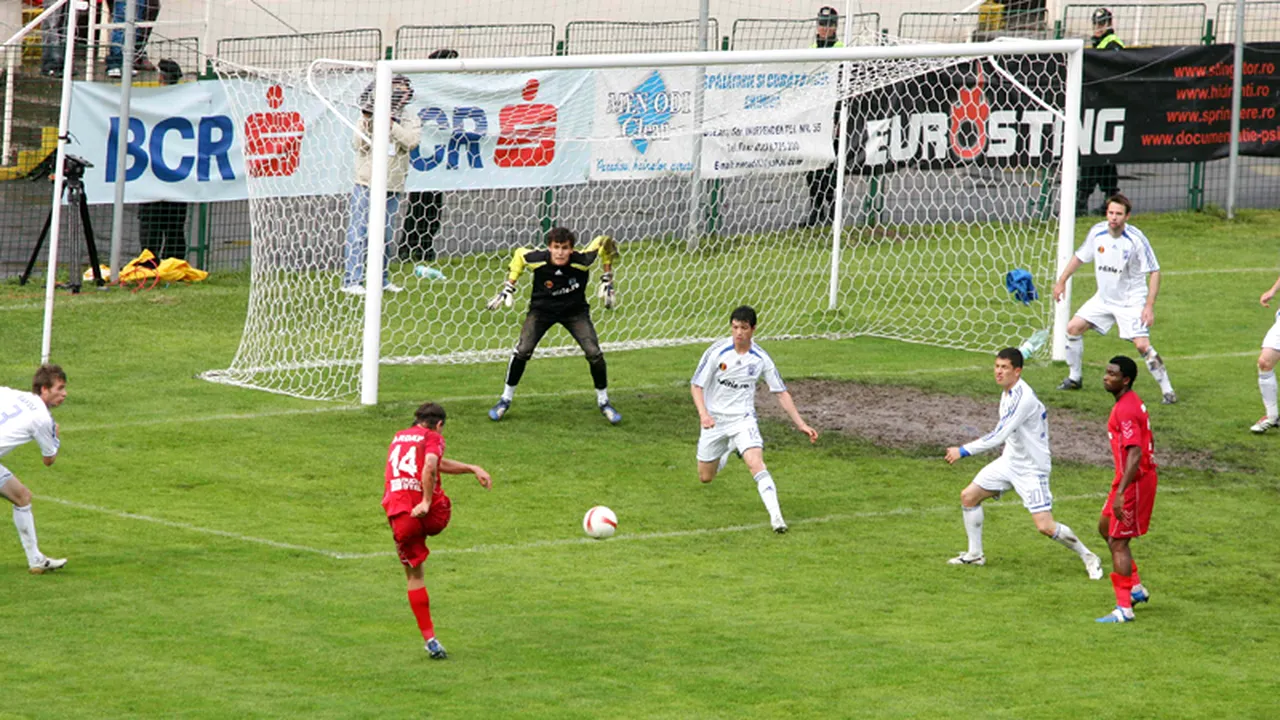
(411, 532)
(1139, 498)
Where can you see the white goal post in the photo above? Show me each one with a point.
(943, 286)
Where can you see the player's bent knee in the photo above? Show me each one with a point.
(1267, 361)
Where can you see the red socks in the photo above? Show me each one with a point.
(1122, 585)
(421, 606)
(1134, 579)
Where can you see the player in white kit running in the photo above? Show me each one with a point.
(24, 416)
(1023, 466)
(1128, 280)
(1267, 367)
(724, 391)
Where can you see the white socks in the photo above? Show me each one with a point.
(602, 397)
(1156, 366)
(1068, 539)
(973, 528)
(26, 525)
(1075, 357)
(768, 493)
(508, 392)
(1267, 385)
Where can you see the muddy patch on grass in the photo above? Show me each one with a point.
(907, 418)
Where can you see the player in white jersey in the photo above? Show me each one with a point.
(724, 391)
(1267, 360)
(1128, 281)
(1023, 466)
(24, 416)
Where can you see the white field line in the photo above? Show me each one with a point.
(566, 542)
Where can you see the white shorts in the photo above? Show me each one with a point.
(741, 434)
(1102, 315)
(1032, 487)
(1272, 339)
(4, 475)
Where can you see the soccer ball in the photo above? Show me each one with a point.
(600, 522)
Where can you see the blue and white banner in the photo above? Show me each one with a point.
(183, 144)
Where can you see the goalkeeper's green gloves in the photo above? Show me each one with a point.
(506, 296)
(607, 292)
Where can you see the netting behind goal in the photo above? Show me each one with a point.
(950, 181)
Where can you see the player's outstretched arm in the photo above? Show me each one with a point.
(507, 295)
(1060, 287)
(453, 467)
(789, 406)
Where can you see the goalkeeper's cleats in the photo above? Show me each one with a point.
(1117, 616)
(436, 650)
(1069, 384)
(964, 559)
(1264, 424)
(610, 414)
(497, 411)
(1139, 595)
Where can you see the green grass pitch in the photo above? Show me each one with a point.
(229, 558)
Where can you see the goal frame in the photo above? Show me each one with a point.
(384, 70)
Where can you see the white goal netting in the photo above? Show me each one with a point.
(723, 185)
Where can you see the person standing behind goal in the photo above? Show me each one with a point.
(1121, 256)
(559, 297)
(25, 417)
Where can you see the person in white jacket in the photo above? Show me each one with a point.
(406, 132)
(1023, 466)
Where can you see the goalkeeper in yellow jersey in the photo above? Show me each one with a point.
(559, 296)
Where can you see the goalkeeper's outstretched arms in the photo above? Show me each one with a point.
(606, 248)
(507, 295)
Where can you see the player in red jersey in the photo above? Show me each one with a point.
(1127, 513)
(417, 507)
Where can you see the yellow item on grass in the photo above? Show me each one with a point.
(145, 267)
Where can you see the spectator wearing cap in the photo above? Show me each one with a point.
(162, 225)
(1104, 177)
(822, 182)
(406, 132)
(424, 209)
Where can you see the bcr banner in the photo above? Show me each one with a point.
(1173, 104)
(756, 119)
(184, 144)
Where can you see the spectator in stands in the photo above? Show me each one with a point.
(1105, 177)
(53, 36)
(822, 182)
(162, 225)
(423, 209)
(147, 11)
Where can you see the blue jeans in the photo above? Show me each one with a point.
(358, 235)
(146, 10)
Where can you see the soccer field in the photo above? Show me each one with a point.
(229, 557)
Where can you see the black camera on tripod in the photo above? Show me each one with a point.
(73, 167)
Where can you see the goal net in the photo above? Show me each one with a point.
(884, 188)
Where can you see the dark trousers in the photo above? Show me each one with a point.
(822, 195)
(422, 220)
(579, 325)
(1104, 177)
(163, 228)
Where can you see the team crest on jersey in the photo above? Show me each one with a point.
(549, 284)
(751, 369)
(1102, 248)
(723, 367)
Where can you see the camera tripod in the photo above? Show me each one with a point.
(74, 190)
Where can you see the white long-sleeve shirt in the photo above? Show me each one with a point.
(1024, 430)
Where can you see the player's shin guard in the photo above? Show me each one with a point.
(1156, 365)
(26, 524)
(1122, 585)
(1075, 357)
(1065, 537)
(420, 603)
(1267, 386)
(768, 493)
(973, 517)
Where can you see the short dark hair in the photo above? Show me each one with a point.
(828, 17)
(170, 71)
(1128, 368)
(1122, 201)
(744, 313)
(443, 54)
(428, 415)
(561, 235)
(47, 376)
(1013, 355)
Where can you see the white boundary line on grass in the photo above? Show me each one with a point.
(565, 542)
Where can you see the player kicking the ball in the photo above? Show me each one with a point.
(1127, 513)
(1121, 257)
(724, 391)
(1023, 466)
(559, 297)
(417, 507)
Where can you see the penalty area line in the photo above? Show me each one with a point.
(569, 542)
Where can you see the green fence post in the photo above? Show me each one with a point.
(1195, 172)
(549, 193)
(713, 206)
(1058, 29)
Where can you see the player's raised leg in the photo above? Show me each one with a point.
(1067, 538)
(1267, 360)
